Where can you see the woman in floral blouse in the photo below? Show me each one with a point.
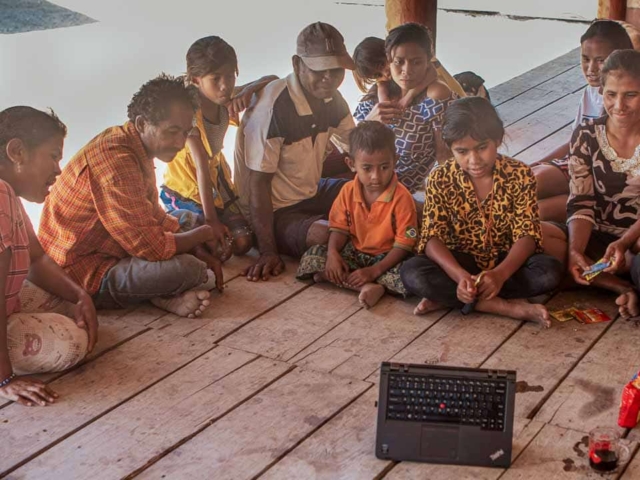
(603, 210)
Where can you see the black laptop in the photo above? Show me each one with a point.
(461, 416)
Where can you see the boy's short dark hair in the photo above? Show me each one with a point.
(209, 54)
(153, 99)
(621, 61)
(32, 126)
(474, 117)
(371, 136)
(610, 31)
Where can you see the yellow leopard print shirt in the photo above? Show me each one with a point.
(451, 211)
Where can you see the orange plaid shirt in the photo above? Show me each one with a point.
(104, 207)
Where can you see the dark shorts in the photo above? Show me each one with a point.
(291, 224)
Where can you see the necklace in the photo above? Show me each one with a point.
(630, 166)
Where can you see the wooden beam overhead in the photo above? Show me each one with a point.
(613, 9)
(424, 12)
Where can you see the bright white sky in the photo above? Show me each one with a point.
(88, 74)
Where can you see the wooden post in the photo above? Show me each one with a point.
(612, 9)
(633, 12)
(424, 12)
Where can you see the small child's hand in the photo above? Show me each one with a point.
(359, 277)
(239, 103)
(336, 270)
(213, 263)
(220, 244)
(383, 90)
(466, 291)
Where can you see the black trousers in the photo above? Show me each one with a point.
(423, 277)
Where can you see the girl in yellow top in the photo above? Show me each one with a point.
(199, 178)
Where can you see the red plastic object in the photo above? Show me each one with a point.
(630, 404)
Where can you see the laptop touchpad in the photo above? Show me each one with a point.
(439, 442)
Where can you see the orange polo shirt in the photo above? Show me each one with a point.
(390, 222)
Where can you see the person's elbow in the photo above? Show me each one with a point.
(156, 249)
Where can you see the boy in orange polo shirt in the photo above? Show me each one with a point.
(372, 222)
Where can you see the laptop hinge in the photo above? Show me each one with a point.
(396, 367)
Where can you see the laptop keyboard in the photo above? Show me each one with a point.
(447, 400)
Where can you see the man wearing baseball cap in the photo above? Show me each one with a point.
(281, 145)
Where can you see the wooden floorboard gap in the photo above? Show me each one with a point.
(325, 333)
(429, 327)
(58, 375)
(534, 86)
(542, 107)
(206, 425)
(267, 310)
(95, 418)
(386, 470)
(542, 139)
(541, 403)
(310, 433)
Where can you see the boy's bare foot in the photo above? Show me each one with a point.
(531, 313)
(628, 304)
(518, 309)
(189, 304)
(425, 306)
(370, 294)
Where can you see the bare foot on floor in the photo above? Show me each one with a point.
(628, 304)
(523, 310)
(189, 304)
(370, 294)
(425, 306)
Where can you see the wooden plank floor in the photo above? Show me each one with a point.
(278, 380)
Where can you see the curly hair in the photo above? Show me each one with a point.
(153, 99)
(33, 127)
(209, 54)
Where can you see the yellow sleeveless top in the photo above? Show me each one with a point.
(181, 176)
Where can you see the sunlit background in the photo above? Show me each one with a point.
(88, 73)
